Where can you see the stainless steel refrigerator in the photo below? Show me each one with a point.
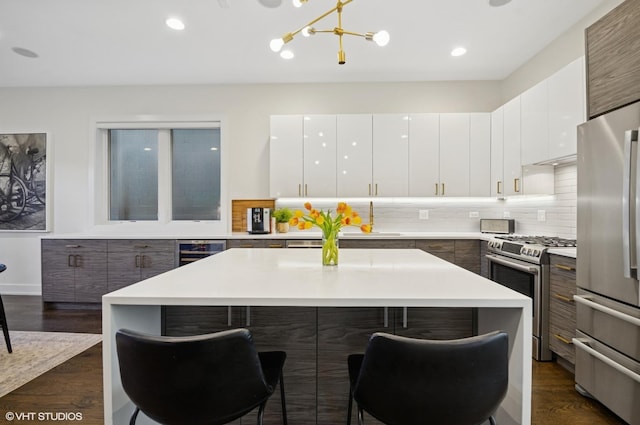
(608, 301)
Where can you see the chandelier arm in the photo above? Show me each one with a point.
(324, 15)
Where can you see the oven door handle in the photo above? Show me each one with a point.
(521, 267)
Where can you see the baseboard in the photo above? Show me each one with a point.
(20, 289)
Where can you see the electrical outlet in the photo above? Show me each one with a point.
(423, 214)
(474, 214)
(506, 214)
(542, 215)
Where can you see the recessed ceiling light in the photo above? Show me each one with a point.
(270, 3)
(175, 24)
(498, 3)
(286, 54)
(458, 51)
(24, 52)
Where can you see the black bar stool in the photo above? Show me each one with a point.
(3, 317)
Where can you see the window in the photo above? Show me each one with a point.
(158, 172)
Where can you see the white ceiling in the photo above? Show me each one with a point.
(122, 42)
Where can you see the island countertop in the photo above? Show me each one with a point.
(364, 277)
(290, 277)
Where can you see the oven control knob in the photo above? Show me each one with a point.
(536, 253)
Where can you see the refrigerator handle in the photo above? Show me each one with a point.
(629, 239)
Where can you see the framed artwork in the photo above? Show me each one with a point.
(23, 182)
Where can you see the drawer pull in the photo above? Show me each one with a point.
(141, 246)
(563, 267)
(586, 300)
(73, 246)
(275, 245)
(563, 298)
(563, 339)
(582, 343)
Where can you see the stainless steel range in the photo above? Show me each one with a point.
(521, 263)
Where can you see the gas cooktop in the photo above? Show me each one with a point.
(545, 241)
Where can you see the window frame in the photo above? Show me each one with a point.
(99, 174)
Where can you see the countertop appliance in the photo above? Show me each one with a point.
(497, 225)
(608, 298)
(258, 220)
(522, 264)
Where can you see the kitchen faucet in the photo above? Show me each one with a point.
(371, 214)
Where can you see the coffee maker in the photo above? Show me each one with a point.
(258, 220)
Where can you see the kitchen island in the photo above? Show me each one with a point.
(296, 278)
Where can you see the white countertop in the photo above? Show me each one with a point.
(380, 277)
(289, 235)
(565, 252)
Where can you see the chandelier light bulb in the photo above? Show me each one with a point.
(276, 44)
(307, 31)
(381, 38)
(175, 24)
(297, 3)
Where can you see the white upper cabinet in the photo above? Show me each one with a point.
(285, 156)
(424, 154)
(511, 148)
(454, 155)
(479, 154)
(390, 155)
(534, 106)
(551, 111)
(566, 108)
(497, 152)
(354, 155)
(319, 154)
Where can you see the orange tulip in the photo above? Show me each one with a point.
(293, 221)
(301, 225)
(342, 206)
(307, 206)
(366, 228)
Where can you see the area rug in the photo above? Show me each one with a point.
(34, 353)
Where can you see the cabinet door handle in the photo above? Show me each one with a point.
(563, 298)
(437, 187)
(405, 317)
(248, 318)
(385, 322)
(305, 190)
(69, 263)
(137, 261)
(498, 190)
(442, 189)
(228, 315)
(369, 189)
(563, 339)
(299, 189)
(563, 267)
(516, 185)
(376, 189)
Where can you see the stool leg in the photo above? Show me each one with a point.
(5, 329)
(282, 401)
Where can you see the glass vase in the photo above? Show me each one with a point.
(330, 249)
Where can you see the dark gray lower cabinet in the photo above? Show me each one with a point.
(74, 270)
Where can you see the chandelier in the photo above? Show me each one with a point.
(381, 38)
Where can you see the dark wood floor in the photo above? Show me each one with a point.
(76, 385)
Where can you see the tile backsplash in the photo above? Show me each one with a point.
(553, 215)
